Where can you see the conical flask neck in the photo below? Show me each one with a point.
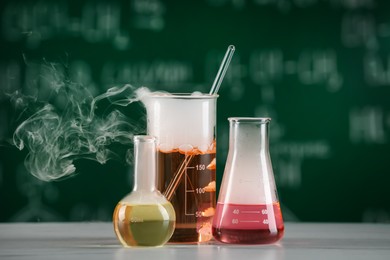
(145, 163)
(249, 134)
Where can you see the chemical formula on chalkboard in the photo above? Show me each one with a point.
(319, 68)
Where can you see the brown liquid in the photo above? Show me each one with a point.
(192, 192)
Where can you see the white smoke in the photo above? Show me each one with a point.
(55, 137)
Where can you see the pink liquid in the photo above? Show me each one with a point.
(248, 224)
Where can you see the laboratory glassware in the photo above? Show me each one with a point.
(144, 217)
(222, 69)
(248, 210)
(184, 125)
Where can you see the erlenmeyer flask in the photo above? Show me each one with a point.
(248, 210)
(144, 217)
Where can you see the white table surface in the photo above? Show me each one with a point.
(97, 241)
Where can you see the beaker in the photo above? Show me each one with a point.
(248, 210)
(184, 125)
(144, 217)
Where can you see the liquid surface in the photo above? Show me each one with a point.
(248, 224)
(189, 180)
(144, 225)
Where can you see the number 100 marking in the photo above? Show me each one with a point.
(200, 190)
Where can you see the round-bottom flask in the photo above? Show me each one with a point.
(144, 217)
(248, 210)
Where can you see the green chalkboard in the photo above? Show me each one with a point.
(319, 68)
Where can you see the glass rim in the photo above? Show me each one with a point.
(249, 119)
(144, 138)
(183, 96)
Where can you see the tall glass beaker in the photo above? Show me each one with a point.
(248, 210)
(184, 125)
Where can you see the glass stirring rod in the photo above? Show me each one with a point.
(222, 70)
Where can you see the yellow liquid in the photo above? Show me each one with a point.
(144, 225)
